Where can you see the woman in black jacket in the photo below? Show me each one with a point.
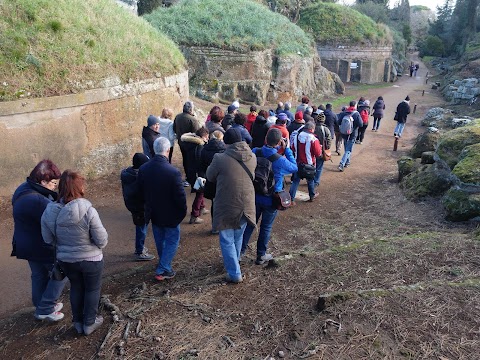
(378, 109)
(259, 130)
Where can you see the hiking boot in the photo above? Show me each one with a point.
(58, 306)
(145, 256)
(230, 280)
(165, 275)
(340, 167)
(204, 211)
(195, 220)
(313, 197)
(88, 329)
(263, 259)
(54, 316)
(78, 327)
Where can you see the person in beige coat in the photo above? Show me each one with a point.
(234, 206)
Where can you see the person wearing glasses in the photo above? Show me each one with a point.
(29, 201)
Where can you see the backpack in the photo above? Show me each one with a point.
(263, 181)
(364, 116)
(346, 125)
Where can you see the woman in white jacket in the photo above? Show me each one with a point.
(72, 224)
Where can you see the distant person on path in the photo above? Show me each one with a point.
(259, 129)
(349, 121)
(338, 134)
(378, 110)
(403, 109)
(363, 107)
(132, 199)
(303, 106)
(161, 189)
(264, 206)
(280, 108)
(75, 226)
(234, 205)
(185, 122)
(415, 69)
(322, 132)
(330, 119)
(287, 111)
(150, 134)
(166, 130)
(215, 123)
(29, 201)
(411, 68)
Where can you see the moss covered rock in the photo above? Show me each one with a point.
(428, 180)
(424, 142)
(452, 143)
(406, 165)
(428, 157)
(461, 205)
(468, 168)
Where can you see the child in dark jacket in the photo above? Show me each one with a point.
(133, 203)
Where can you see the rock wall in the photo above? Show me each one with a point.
(358, 64)
(462, 90)
(96, 131)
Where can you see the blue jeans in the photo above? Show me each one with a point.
(319, 169)
(45, 292)
(376, 122)
(348, 151)
(166, 241)
(268, 214)
(399, 129)
(296, 182)
(140, 235)
(86, 282)
(230, 245)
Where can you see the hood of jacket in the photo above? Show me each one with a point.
(260, 120)
(129, 175)
(73, 212)
(30, 186)
(192, 138)
(147, 132)
(239, 151)
(214, 145)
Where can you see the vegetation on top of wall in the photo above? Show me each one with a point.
(64, 46)
(333, 24)
(239, 25)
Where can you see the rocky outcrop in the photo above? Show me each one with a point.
(425, 142)
(461, 205)
(452, 143)
(406, 166)
(429, 180)
(462, 90)
(467, 169)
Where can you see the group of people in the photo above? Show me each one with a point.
(239, 160)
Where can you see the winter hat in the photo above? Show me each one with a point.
(236, 104)
(139, 159)
(282, 117)
(320, 118)
(232, 136)
(407, 98)
(299, 115)
(152, 120)
(288, 106)
(231, 109)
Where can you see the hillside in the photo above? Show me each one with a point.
(64, 46)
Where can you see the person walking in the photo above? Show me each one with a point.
(349, 121)
(378, 110)
(403, 109)
(150, 134)
(75, 226)
(259, 130)
(322, 132)
(166, 130)
(234, 205)
(363, 108)
(161, 189)
(29, 201)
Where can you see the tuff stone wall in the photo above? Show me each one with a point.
(96, 132)
(374, 64)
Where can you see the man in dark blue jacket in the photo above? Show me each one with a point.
(349, 139)
(264, 206)
(161, 190)
(134, 204)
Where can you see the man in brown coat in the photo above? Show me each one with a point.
(234, 204)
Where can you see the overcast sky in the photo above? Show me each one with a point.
(432, 4)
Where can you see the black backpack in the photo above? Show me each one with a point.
(263, 181)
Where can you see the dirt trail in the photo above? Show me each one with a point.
(361, 234)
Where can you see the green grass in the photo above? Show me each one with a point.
(55, 47)
(334, 24)
(239, 25)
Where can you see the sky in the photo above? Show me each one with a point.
(432, 4)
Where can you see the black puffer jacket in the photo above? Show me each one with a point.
(228, 121)
(214, 146)
(193, 145)
(131, 194)
(259, 131)
(149, 136)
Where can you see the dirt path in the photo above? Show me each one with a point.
(362, 234)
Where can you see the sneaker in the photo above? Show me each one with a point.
(58, 306)
(338, 152)
(263, 259)
(316, 184)
(88, 329)
(195, 220)
(340, 167)
(360, 143)
(357, 142)
(186, 183)
(214, 232)
(79, 327)
(204, 211)
(347, 165)
(395, 134)
(230, 280)
(313, 197)
(145, 256)
(165, 275)
(54, 316)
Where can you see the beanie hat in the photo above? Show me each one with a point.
(236, 104)
(299, 115)
(407, 98)
(152, 120)
(139, 159)
(231, 109)
(288, 106)
(282, 116)
(232, 136)
(320, 118)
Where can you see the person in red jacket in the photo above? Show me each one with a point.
(251, 118)
(306, 148)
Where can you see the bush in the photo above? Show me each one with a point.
(239, 25)
(432, 46)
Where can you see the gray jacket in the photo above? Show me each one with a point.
(77, 228)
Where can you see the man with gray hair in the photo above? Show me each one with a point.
(161, 190)
(307, 115)
(287, 111)
(185, 122)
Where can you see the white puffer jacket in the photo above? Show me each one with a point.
(77, 228)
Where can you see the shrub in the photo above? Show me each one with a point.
(432, 46)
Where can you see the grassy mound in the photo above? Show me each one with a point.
(59, 47)
(340, 25)
(239, 25)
